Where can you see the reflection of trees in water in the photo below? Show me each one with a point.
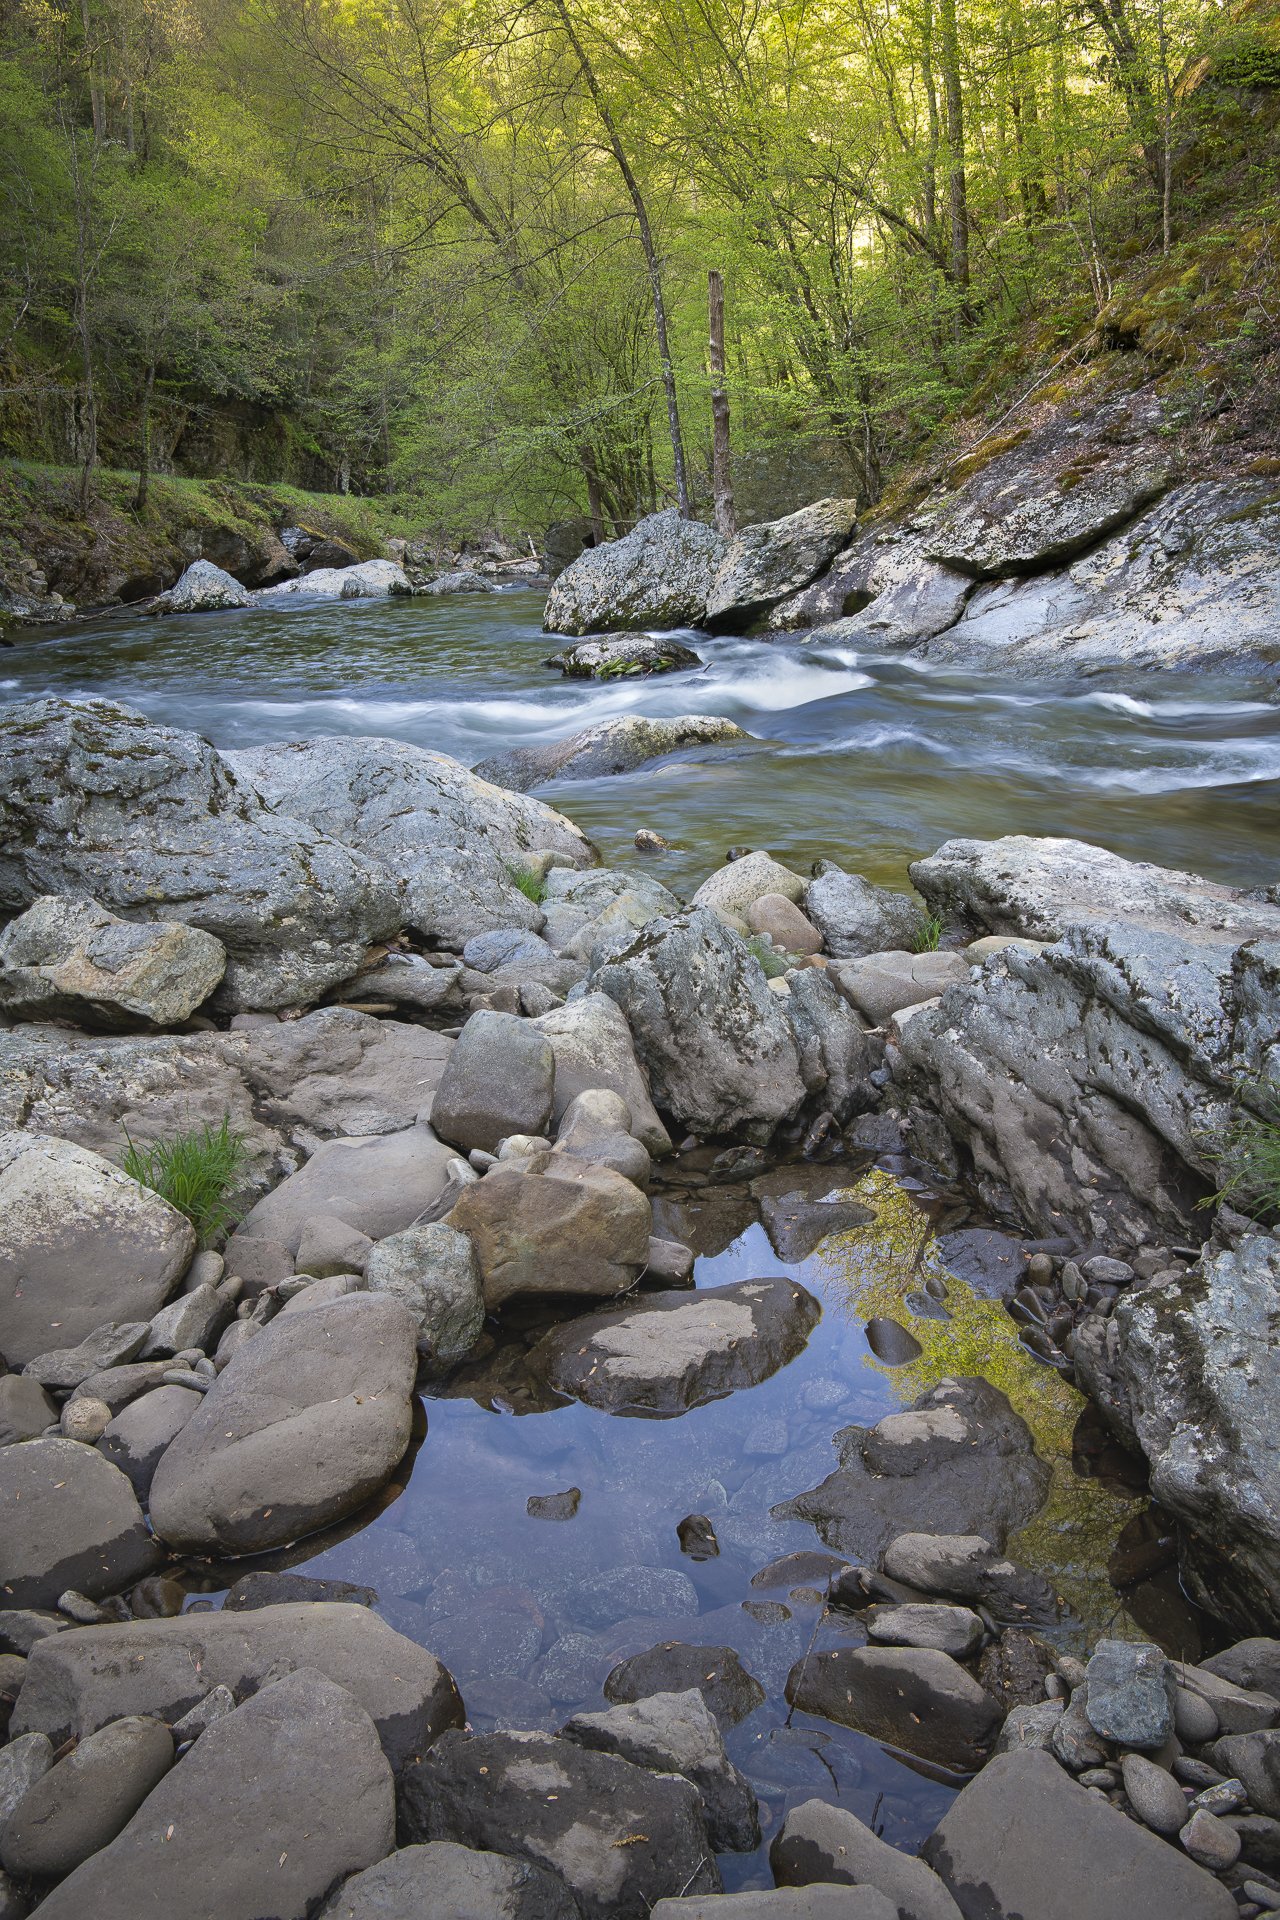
(868, 1270)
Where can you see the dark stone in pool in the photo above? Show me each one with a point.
(891, 1343)
(253, 1590)
(554, 1506)
(912, 1697)
(795, 1223)
(1014, 1668)
(793, 1569)
(697, 1537)
(717, 1672)
(991, 1262)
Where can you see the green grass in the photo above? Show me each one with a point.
(195, 1172)
(775, 964)
(929, 934)
(528, 884)
(1247, 1152)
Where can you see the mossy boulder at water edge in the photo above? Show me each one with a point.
(658, 575)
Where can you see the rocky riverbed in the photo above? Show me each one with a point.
(716, 1391)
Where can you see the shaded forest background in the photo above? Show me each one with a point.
(457, 254)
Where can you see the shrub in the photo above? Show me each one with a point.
(195, 1172)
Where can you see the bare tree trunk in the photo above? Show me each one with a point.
(1166, 133)
(97, 100)
(958, 185)
(652, 262)
(81, 190)
(144, 441)
(721, 475)
(595, 504)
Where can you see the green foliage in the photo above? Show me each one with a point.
(527, 883)
(1247, 1152)
(929, 934)
(195, 1172)
(775, 964)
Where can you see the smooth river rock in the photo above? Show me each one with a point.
(81, 1804)
(593, 1048)
(911, 1697)
(499, 1080)
(68, 1519)
(377, 1184)
(819, 1843)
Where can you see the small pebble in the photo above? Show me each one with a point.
(85, 1420)
(1055, 1687)
(1040, 1269)
(1268, 1898)
(1211, 1841)
(188, 1377)
(1071, 1669)
(1071, 1281)
(1098, 1777)
(79, 1607)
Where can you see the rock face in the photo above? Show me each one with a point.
(151, 822)
(672, 1351)
(446, 839)
(80, 1680)
(659, 575)
(68, 1519)
(913, 1697)
(593, 1048)
(961, 1458)
(306, 1422)
(442, 1877)
(619, 1836)
(81, 1244)
(559, 1228)
(274, 1802)
(854, 917)
(71, 959)
(882, 592)
(1199, 1363)
(765, 564)
(1040, 887)
(822, 1844)
(676, 1733)
(202, 588)
(1027, 510)
(610, 747)
(1024, 1838)
(499, 1080)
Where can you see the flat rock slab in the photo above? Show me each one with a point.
(377, 1184)
(672, 1351)
(1024, 1838)
(306, 1422)
(912, 1697)
(80, 1680)
(81, 1244)
(619, 1836)
(457, 1883)
(273, 1803)
(68, 1518)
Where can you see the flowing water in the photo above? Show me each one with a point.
(871, 761)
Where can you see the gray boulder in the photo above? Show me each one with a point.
(609, 747)
(596, 1129)
(884, 592)
(460, 1882)
(672, 1351)
(738, 884)
(1130, 1691)
(83, 1679)
(25, 1409)
(68, 1519)
(555, 1227)
(592, 1046)
(362, 580)
(1015, 515)
(766, 563)
(449, 839)
(71, 959)
(307, 1421)
(274, 1803)
(913, 1697)
(202, 588)
(81, 1804)
(81, 1244)
(619, 1836)
(818, 1843)
(660, 574)
(965, 1566)
(1024, 1838)
(408, 980)
(152, 822)
(23, 1761)
(378, 1185)
(137, 1437)
(106, 1349)
(948, 1629)
(433, 1271)
(676, 1733)
(458, 580)
(959, 1458)
(500, 1079)
(855, 918)
(194, 1319)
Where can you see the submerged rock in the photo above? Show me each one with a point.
(610, 747)
(625, 659)
(658, 575)
(71, 959)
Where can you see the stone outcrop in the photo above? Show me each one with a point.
(658, 575)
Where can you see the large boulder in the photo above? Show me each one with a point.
(672, 1351)
(306, 1422)
(499, 1080)
(959, 1460)
(557, 1227)
(81, 1244)
(658, 575)
(912, 1697)
(593, 1048)
(349, 580)
(677, 1733)
(463, 1883)
(766, 563)
(1025, 1838)
(619, 1836)
(80, 1680)
(736, 886)
(71, 959)
(81, 1804)
(450, 841)
(275, 1802)
(628, 656)
(68, 1519)
(152, 823)
(202, 588)
(883, 592)
(378, 1184)
(609, 747)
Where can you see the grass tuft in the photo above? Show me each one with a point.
(195, 1172)
(775, 964)
(1247, 1151)
(929, 934)
(528, 884)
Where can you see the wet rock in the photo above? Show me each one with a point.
(766, 563)
(619, 1836)
(378, 1185)
(717, 1673)
(449, 838)
(25, 1409)
(914, 1698)
(953, 1630)
(137, 1436)
(202, 588)
(442, 1877)
(554, 1506)
(1131, 1693)
(68, 1518)
(83, 1245)
(670, 1264)
(1024, 1838)
(499, 1080)
(81, 1804)
(966, 1567)
(697, 1537)
(254, 1590)
(1154, 1795)
(592, 1046)
(71, 959)
(659, 575)
(609, 747)
(826, 1845)
(672, 1351)
(432, 1270)
(959, 1457)
(854, 917)
(675, 1733)
(78, 1681)
(306, 1423)
(1014, 1668)
(891, 1343)
(567, 1229)
(210, 1843)
(629, 658)
(98, 801)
